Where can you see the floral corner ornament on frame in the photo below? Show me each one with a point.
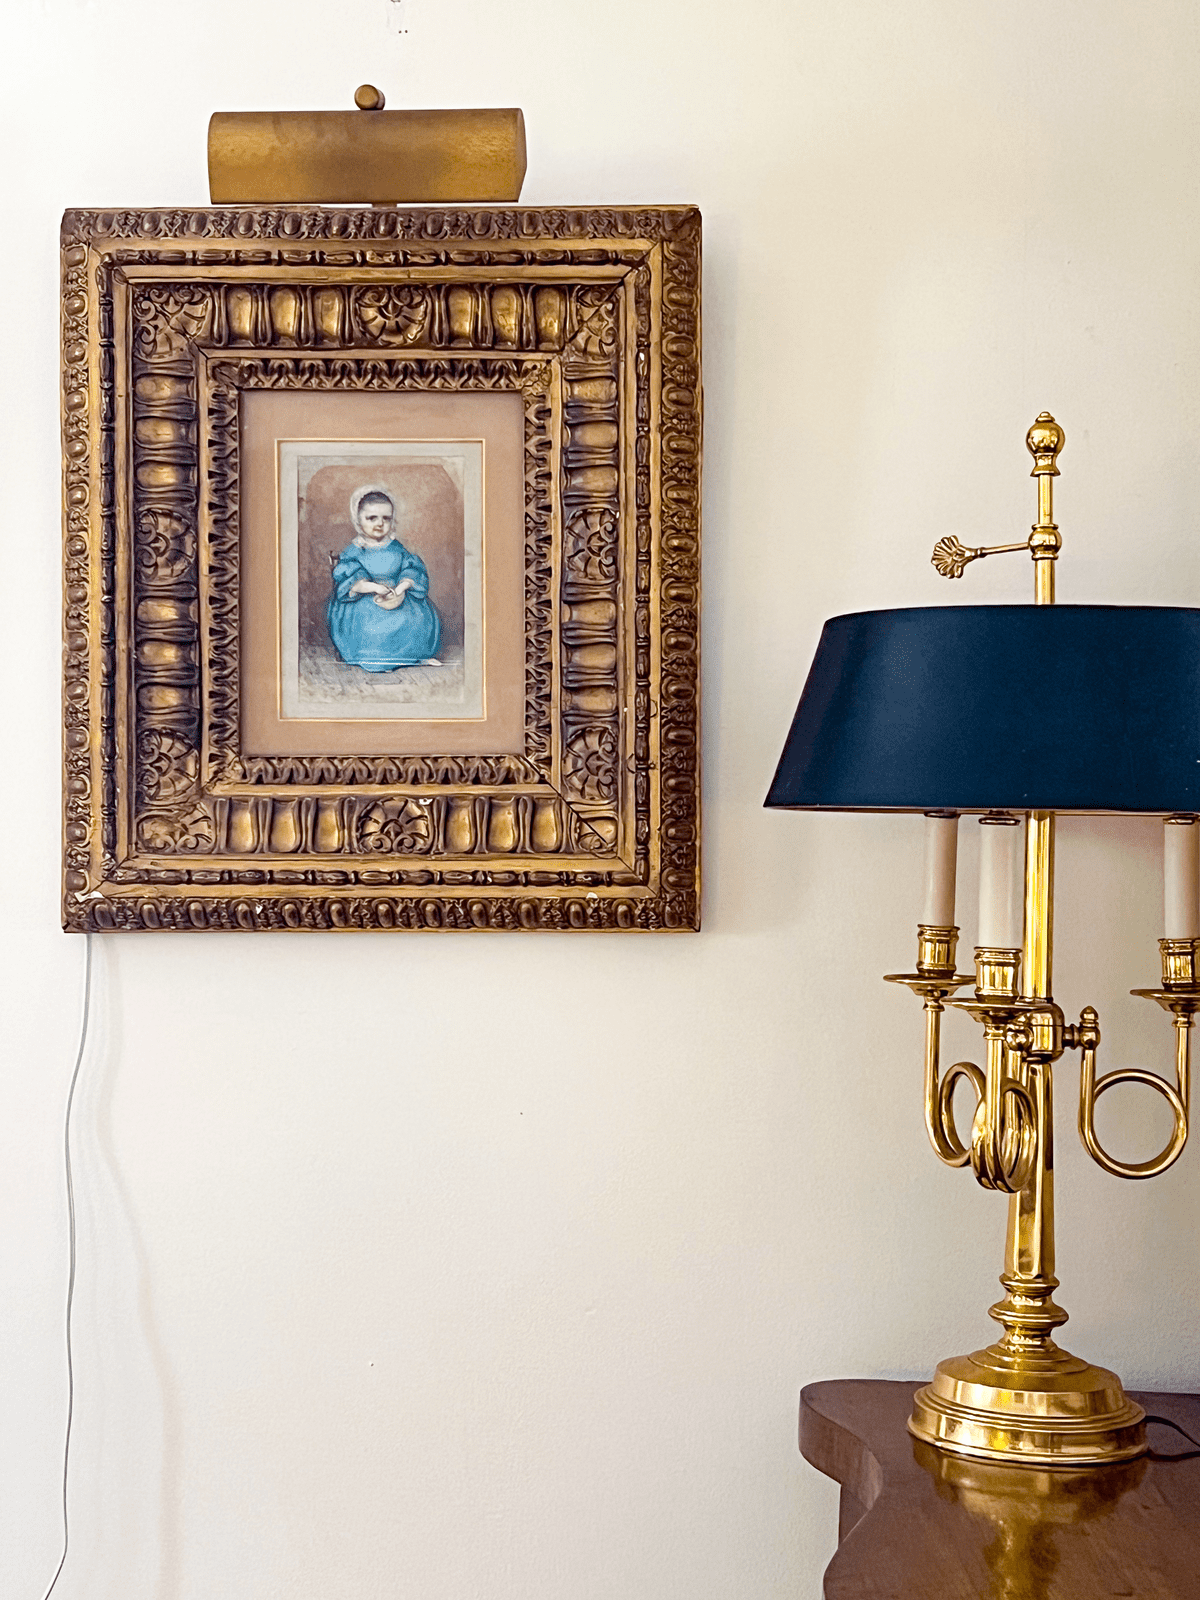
(381, 536)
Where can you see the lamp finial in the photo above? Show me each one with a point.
(1044, 441)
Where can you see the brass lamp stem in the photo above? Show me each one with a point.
(1037, 960)
(1028, 1312)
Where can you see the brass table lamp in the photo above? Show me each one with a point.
(1053, 708)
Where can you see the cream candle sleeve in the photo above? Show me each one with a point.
(1000, 904)
(1181, 879)
(941, 870)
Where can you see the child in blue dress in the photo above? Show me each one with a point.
(380, 614)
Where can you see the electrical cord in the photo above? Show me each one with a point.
(71, 1256)
(1177, 1455)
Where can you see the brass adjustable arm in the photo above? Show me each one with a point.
(952, 558)
(1044, 441)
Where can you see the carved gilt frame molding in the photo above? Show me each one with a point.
(593, 318)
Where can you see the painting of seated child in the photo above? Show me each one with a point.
(381, 578)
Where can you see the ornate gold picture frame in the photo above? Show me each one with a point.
(559, 354)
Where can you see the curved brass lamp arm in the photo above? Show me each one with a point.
(1004, 1126)
(1005, 1133)
(933, 985)
(1178, 1095)
(939, 1095)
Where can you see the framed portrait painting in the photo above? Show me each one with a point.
(381, 569)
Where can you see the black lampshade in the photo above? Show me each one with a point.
(966, 708)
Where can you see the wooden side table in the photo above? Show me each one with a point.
(917, 1524)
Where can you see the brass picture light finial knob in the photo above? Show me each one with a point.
(1044, 441)
(368, 98)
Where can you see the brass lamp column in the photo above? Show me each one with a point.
(1024, 1397)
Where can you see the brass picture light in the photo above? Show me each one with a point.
(1053, 708)
(339, 157)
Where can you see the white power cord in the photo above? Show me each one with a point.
(83, 1033)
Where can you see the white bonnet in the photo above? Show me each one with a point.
(367, 490)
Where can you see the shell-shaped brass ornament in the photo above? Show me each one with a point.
(951, 558)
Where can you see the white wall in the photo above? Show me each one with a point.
(513, 1297)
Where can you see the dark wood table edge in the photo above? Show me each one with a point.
(829, 1442)
(853, 1431)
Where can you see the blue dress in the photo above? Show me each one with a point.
(364, 634)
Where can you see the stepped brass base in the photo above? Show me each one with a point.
(1052, 1411)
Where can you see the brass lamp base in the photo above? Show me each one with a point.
(1054, 1410)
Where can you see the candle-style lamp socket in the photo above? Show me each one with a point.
(934, 978)
(997, 974)
(1178, 964)
(936, 949)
